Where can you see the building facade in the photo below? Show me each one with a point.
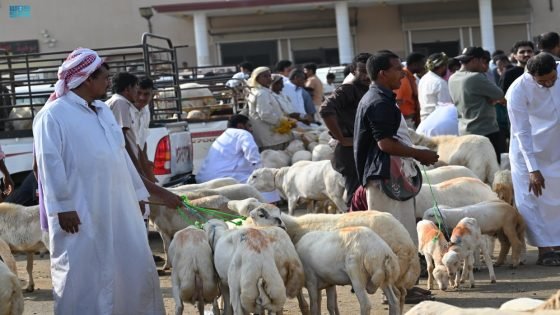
(265, 31)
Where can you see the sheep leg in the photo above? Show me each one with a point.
(200, 304)
(332, 305)
(340, 204)
(30, 283)
(469, 261)
(235, 297)
(177, 297)
(314, 298)
(401, 295)
(394, 305)
(487, 260)
(504, 249)
(303, 305)
(291, 205)
(430, 266)
(516, 246)
(359, 280)
(166, 242)
(215, 307)
(224, 288)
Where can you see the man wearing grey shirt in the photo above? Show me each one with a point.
(475, 95)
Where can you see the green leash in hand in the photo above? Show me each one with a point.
(437, 214)
(196, 211)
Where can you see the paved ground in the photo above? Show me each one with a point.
(526, 281)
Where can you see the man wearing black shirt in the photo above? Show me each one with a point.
(339, 112)
(377, 137)
(523, 50)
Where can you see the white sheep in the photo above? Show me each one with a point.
(232, 192)
(193, 277)
(382, 223)
(243, 207)
(456, 192)
(494, 218)
(324, 137)
(301, 156)
(503, 186)
(312, 146)
(21, 230)
(235, 256)
(295, 146)
(444, 173)
(11, 298)
(211, 184)
(305, 179)
(7, 257)
(351, 255)
(432, 244)
(275, 158)
(322, 152)
(466, 242)
(473, 151)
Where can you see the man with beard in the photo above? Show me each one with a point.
(522, 51)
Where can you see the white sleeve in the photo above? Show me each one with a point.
(141, 191)
(517, 103)
(49, 142)
(250, 149)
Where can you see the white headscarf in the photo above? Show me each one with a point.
(79, 65)
(252, 82)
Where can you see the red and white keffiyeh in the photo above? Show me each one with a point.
(79, 65)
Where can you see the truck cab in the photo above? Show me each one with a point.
(27, 80)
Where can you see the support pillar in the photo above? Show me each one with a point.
(487, 25)
(345, 44)
(201, 39)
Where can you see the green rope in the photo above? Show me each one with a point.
(233, 218)
(435, 209)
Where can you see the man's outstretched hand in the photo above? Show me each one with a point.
(426, 157)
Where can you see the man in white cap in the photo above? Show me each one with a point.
(90, 190)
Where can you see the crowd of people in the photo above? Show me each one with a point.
(86, 150)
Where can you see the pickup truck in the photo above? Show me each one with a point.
(27, 80)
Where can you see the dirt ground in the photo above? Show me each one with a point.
(527, 281)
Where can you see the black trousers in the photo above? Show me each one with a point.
(343, 162)
(498, 140)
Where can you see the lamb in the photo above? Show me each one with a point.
(301, 156)
(243, 207)
(382, 223)
(324, 137)
(503, 186)
(432, 244)
(193, 277)
(232, 249)
(444, 173)
(322, 152)
(275, 158)
(494, 217)
(473, 151)
(305, 179)
(11, 298)
(466, 240)
(295, 146)
(456, 192)
(21, 230)
(351, 255)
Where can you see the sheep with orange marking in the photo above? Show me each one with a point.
(494, 218)
(382, 223)
(432, 244)
(354, 256)
(285, 266)
(193, 277)
(466, 242)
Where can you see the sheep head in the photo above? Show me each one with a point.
(452, 263)
(262, 217)
(243, 207)
(263, 179)
(441, 276)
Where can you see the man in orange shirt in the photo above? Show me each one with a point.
(407, 94)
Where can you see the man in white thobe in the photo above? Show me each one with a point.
(233, 154)
(533, 102)
(90, 188)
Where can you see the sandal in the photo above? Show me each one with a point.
(549, 259)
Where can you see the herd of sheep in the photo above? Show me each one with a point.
(274, 255)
